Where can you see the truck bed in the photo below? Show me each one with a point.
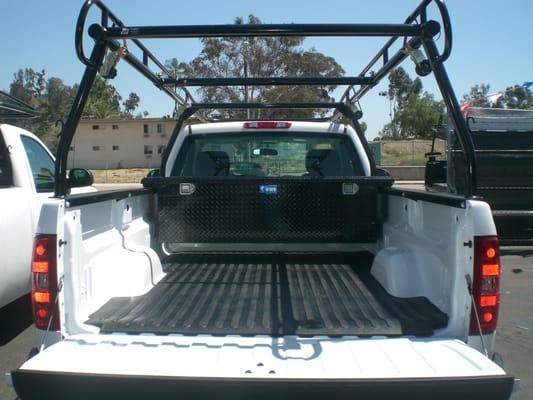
(271, 294)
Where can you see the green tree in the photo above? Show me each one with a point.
(401, 87)
(420, 115)
(130, 104)
(413, 112)
(177, 69)
(56, 103)
(477, 97)
(304, 63)
(103, 102)
(58, 98)
(29, 86)
(262, 57)
(516, 96)
(53, 99)
(32, 87)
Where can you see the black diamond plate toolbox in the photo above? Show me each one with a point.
(236, 210)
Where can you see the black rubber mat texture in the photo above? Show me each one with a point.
(281, 297)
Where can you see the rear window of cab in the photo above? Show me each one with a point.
(265, 154)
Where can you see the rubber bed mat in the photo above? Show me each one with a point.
(270, 295)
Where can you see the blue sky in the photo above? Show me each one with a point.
(492, 39)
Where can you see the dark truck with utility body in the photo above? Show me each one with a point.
(503, 141)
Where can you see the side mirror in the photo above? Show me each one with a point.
(382, 172)
(79, 177)
(153, 173)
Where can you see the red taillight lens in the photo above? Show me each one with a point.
(267, 125)
(44, 282)
(486, 284)
(490, 270)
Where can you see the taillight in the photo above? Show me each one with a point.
(44, 282)
(267, 125)
(486, 284)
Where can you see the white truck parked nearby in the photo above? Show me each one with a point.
(26, 181)
(266, 258)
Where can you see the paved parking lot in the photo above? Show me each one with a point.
(514, 341)
(515, 328)
(16, 340)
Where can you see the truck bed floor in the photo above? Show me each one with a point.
(272, 295)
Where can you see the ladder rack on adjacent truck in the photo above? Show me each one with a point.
(112, 38)
(13, 108)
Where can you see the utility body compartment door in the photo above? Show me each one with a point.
(261, 367)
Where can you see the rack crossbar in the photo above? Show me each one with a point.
(290, 105)
(255, 30)
(259, 81)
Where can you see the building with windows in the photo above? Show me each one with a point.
(120, 143)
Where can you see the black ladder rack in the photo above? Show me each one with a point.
(417, 32)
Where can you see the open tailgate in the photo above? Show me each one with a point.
(206, 367)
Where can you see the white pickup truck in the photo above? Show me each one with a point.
(266, 258)
(26, 181)
(293, 273)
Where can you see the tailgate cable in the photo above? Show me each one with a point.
(59, 287)
(469, 286)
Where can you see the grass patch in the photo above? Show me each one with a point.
(403, 159)
(408, 152)
(125, 175)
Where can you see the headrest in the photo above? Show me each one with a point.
(212, 163)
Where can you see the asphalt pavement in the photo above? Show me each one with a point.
(514, 340)
(17, 337)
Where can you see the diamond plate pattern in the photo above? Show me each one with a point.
(302, 211)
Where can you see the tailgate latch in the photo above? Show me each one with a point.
(350, 188)
(187, 188)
